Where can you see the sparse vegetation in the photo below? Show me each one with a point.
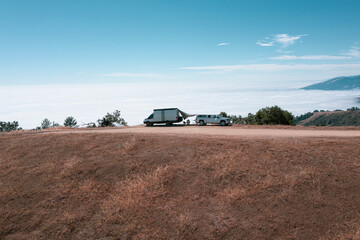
(46, 123)
(110, 119)
(89, 125)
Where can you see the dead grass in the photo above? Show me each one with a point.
(134, 186)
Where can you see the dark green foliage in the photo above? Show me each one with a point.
(274, 116)
(265, 116)
(45, 123)
(250, 119)
(302, 117)
(353, 109)
(70, 122)
(224, 114)
(110, 119)
(9, 126)
(237, 119)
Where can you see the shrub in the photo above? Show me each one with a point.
(70, 122)
(110, 119)
(273, 116)
(237, 119)
(45, 123)
(224, 114)
(9, 126)
(353, 109)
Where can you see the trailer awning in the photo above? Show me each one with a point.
(186, 115)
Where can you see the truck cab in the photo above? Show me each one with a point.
(203, 119)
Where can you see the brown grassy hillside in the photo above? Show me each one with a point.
(333, 118)
(137, 186)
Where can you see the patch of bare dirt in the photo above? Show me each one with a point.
(236, 131)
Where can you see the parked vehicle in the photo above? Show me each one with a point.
(202, 119)
(167, 116)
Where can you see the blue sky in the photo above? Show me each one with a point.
(66, 42)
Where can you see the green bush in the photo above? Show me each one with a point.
(274, 116)
(265, 116)
(353, 109)
(45, 124)
(9, 126)
(70, 122)
(110, 119)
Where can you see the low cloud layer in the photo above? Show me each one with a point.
(31, 104)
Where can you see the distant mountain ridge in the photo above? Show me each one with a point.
(338, 83)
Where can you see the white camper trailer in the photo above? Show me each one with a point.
(167, 116)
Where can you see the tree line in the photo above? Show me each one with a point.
(266, 116)
(274, 116)
(109, 120)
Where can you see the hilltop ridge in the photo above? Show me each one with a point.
(338, 83)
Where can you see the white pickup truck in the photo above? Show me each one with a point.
(203, 119)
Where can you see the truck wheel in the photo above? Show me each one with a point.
(222, 123)
(149, 124)
(168, 123)
(202, 123)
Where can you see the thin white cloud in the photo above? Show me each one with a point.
(310, 57)
(134, 75)
(265, 44)
(283, 51)
(287, 40)
(283, 39)
(276, 67)
(353, 52)
(223, 44)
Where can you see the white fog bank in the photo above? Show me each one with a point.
(31, 104)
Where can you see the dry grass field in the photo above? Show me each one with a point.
(134, 185)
